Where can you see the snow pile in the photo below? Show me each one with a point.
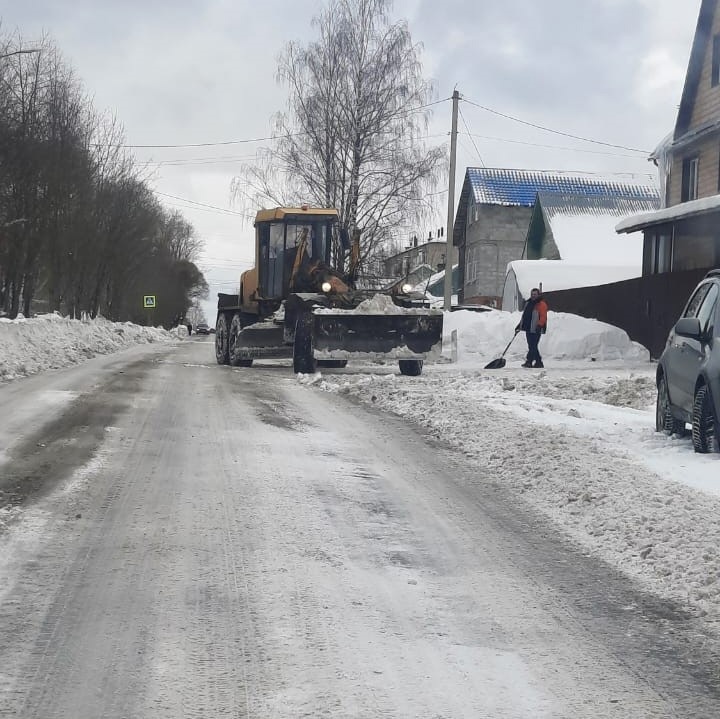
(28, 346)
(483, 336)
(378, 304)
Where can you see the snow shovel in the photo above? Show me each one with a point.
(499, 363)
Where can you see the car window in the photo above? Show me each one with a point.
(696, 301)
(706, 313)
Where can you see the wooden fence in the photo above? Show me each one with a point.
(645, 307)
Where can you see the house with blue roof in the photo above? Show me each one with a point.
(495, 211)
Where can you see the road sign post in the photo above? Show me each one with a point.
(149, 304)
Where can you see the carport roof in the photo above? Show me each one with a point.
(683, 211)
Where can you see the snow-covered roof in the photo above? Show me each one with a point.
(589, 239)
(556, 275)
(584, 228)
(520, 187)
(669, 214)
(428, 285)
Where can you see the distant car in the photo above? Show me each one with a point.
(688, 373)
(202, 329)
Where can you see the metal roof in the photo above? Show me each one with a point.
(493, 186)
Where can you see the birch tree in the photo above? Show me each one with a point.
(353, 133)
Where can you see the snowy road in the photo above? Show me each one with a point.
(207, 542)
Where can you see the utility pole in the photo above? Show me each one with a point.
(451, 205)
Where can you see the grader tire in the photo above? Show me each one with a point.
(411, 368)
(303, 360)
(222, 350)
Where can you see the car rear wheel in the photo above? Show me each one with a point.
(705, 430)
(664, 420)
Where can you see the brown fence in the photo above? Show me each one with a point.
(646, 307)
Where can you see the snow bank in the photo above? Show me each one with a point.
(482, 336)
(28, 346)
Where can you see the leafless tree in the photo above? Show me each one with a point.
(80, 229)
(353, 133)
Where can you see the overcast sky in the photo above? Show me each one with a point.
(203, 71)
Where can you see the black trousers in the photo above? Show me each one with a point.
(533, 339)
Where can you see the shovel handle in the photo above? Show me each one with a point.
(508, 344)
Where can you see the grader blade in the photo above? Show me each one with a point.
(393, 336)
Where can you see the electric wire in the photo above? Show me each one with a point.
(470, 135)
(555, 132)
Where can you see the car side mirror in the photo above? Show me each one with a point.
(689, 327)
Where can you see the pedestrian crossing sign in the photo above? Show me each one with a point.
(149, 302)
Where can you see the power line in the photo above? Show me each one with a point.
(196, 209)
(553, 147)
(244, 141)
(196, 144)
(231, 158)
(555, 132)
(482, 162)
(202, 204)
(196, 160)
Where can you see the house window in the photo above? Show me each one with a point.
(472, 265)
(715, 76)
(661, 253)
(689, 179)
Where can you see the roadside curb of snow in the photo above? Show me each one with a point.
(664, 534)
(30, 346)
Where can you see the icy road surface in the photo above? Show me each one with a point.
(198, 541)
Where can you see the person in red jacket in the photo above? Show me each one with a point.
(534, 324)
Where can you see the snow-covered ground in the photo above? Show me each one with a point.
(576, 439)
(29, 346)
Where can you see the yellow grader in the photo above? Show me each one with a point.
(300, 301)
